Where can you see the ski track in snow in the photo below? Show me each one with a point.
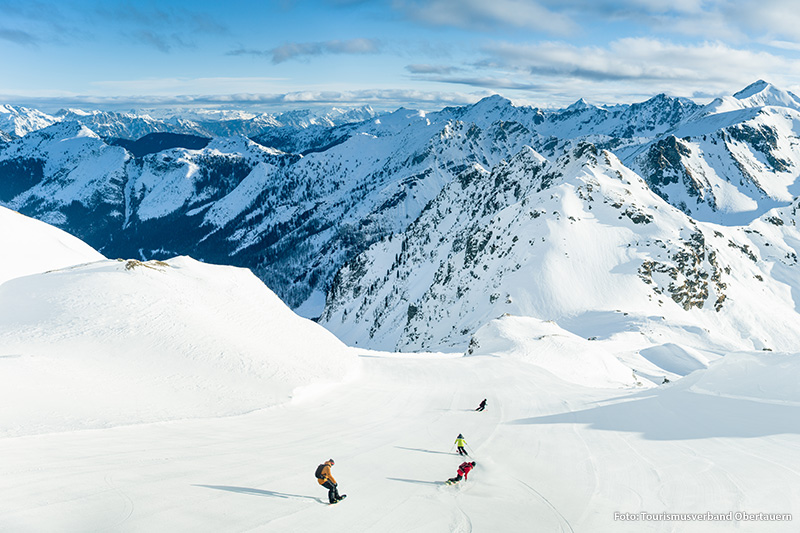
(565, 525)
(128, 502)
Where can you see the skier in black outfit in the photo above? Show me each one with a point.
(482, 406)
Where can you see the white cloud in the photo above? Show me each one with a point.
(432, 69)
(785, 45)
(385, 99)
(291, 51)
(640, 60)
(18, 36)
(775, 18)
(738, 20)
(177, 85)
(486, 14)
(625, 70)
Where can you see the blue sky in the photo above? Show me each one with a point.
(274, 55)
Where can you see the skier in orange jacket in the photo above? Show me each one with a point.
(326, 479)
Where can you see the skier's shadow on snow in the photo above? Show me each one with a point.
(416, 481)
(257, 492)
(424, 451)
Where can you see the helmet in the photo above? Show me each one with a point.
(473, 463)
(330, 461)
(460, 436)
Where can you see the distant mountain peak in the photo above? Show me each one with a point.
(496, 99)
(580, 105)
(754, 88)
(761, 93)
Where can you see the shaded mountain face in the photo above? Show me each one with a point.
(311, 195)
(152, 143)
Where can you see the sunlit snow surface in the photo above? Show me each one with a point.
(123, 342)
(28, 246)
(551, 456)
(180, 396)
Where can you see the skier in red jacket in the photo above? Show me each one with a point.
(463, 469)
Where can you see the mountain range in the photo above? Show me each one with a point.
(618, 283)
(411, 230)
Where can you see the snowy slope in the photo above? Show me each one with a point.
(124, 342)
(545, 344)
(30, 247)
(550, 455)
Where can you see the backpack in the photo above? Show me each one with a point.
(318, 472)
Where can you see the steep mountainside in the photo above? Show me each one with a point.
(559, 240)
(729, 164)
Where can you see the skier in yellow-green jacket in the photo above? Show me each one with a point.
(460, 443)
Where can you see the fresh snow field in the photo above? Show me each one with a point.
(29, 247)
(550, 456)
(179, 396)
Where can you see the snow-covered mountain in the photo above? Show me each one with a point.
(757, 94)
(210, 123)
(16, 121)
(109, 124)
(733, 161)
(296, 214)
(563, 240)
(243, 203)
